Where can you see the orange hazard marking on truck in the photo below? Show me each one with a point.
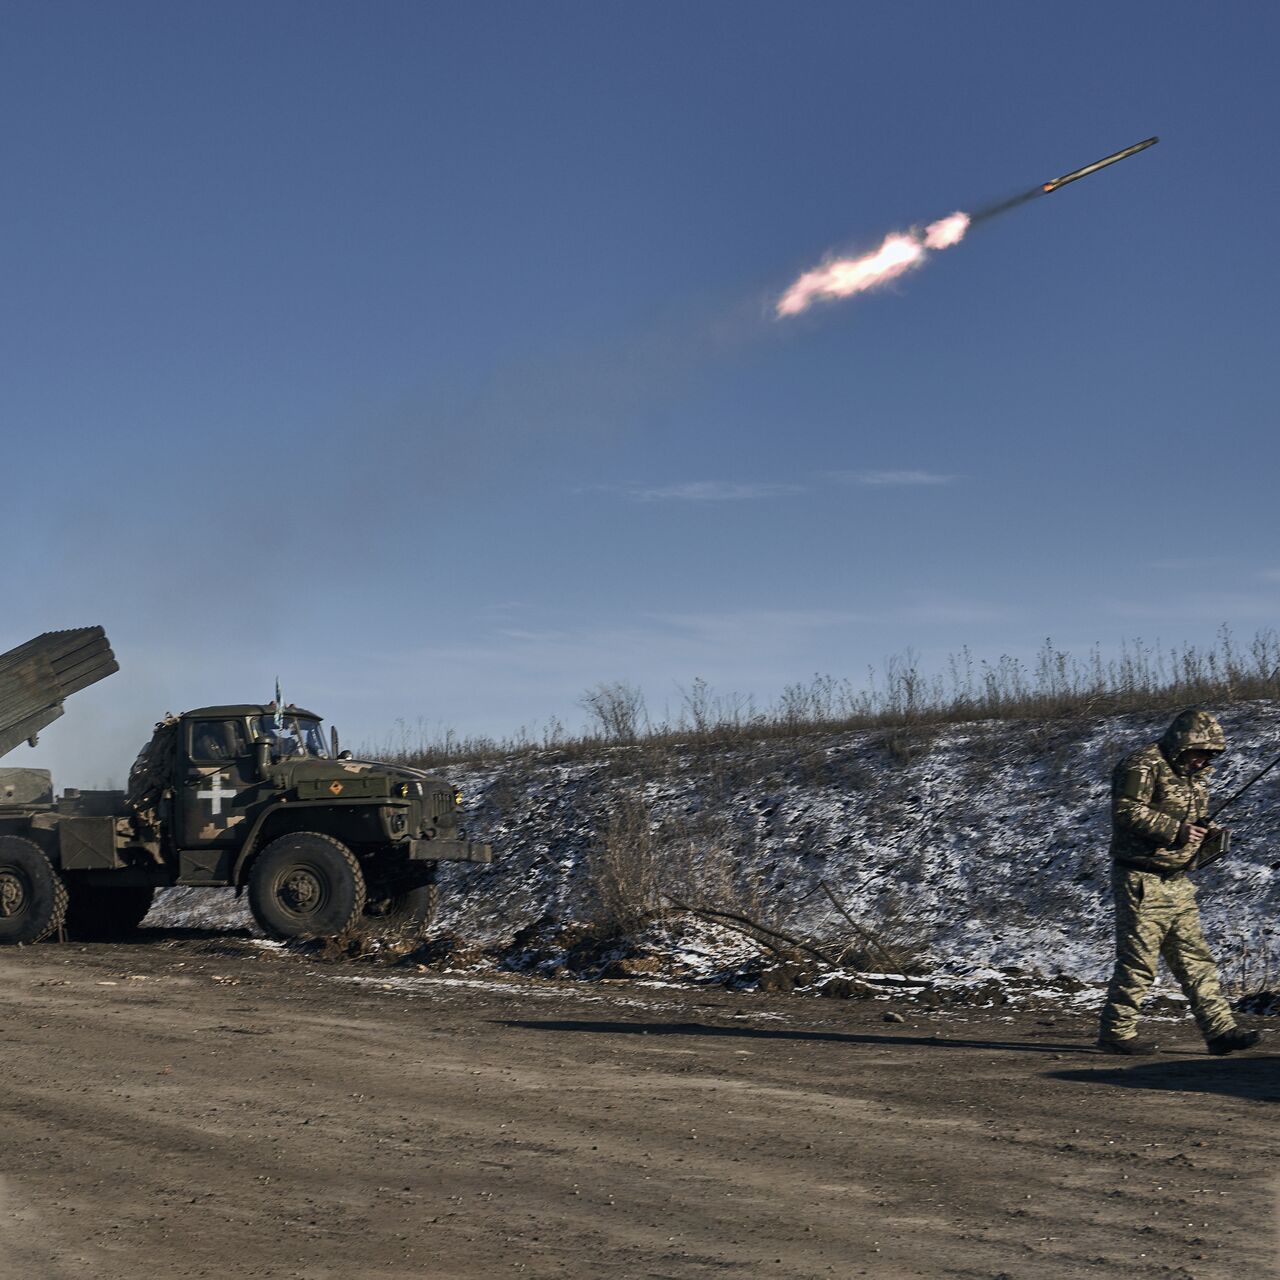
(336, 787)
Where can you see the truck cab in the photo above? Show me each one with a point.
(219, 787)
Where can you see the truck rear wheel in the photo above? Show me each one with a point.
(306, 885)
(416, 906)
(33, 899)
(97, 912)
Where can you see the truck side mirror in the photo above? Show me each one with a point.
(262, 756)
(333, 742)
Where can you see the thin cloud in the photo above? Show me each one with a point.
(783, 629)
(1188, 564)
(507, 606)
(1205, 607)
(893, 479)
(957, 612)
(714, 491)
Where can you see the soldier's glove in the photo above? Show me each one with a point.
(1190, 834)
(1215, 845)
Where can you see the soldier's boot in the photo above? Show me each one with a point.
(1233, 1041)
(1129, 1046)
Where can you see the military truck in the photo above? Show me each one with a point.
(252, 797)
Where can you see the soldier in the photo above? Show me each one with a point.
(1159, 803)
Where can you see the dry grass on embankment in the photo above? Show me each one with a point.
(902, 700)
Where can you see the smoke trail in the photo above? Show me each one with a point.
(899, 252)
(1003, 206)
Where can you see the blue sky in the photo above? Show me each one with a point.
(422, 353)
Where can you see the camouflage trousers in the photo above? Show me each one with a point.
(1156, 917)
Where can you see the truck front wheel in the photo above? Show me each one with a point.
(33, 899)
(306, 885)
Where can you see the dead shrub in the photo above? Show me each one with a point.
(640, 863)
(617, 710)
(1251, 967)
(625, 867)
(908, 743)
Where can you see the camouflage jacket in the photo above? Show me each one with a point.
(1152, 795)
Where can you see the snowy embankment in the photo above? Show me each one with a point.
(978, 844)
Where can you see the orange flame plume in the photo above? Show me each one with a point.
(843, 277)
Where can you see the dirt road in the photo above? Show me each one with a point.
(197, 1105)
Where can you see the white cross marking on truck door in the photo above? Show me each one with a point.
(216, 794)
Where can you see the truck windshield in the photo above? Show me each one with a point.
(293, 737)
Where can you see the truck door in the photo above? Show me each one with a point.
(219, 779)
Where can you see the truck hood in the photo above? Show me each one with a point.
(289, 773)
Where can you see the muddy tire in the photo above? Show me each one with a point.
(33, 899)
(411, 907)
(101, 912)
(306, 885)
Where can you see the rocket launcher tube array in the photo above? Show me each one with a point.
(37, 676)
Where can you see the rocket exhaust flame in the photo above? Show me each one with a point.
(903, 250)
(843, 277)
(948, 231)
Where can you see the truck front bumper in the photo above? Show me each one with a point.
(449, 851)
